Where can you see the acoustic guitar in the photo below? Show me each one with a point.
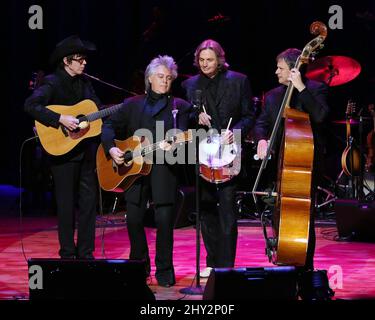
(59, 141)
(137, 160)
(350, 159)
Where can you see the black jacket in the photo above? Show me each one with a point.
(127, 121)
(233, 99)
(60, 88)
(313, 100)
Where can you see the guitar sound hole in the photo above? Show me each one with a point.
(128, 156)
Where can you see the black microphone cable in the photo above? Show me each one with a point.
(104, 221)
(110, 85)
(20, 195)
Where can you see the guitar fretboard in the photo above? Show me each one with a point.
(103, 113)
(179, 138)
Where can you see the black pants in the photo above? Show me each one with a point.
(76, 180)
(219, 224)
(164, 219)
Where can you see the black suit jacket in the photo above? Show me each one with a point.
(233, 98)
(62, 89)
(127, 121)
(313, 100)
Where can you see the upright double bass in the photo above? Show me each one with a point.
(293, 192)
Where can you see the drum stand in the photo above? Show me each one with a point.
(369, 186)
(330, 195)
(354, 187)
(330, 192)
(243, 208)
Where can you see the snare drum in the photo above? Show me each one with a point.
(218, 162)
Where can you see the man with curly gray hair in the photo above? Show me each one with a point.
(160, 61)
(146, 112)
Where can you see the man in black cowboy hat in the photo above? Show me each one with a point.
(74, 172)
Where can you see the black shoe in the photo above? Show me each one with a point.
(68, 253)
(148, 267)
(86, 257)
(166, 284)
(70, 257)
(165, 278)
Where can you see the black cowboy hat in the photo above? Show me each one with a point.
(68, 46)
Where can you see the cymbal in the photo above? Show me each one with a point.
(333, 70)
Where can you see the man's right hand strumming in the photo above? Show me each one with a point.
(117, 155)
(69, 122)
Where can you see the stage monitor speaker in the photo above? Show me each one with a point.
(355, 220)
(276, 283)
(104, 279)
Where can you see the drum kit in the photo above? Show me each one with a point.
(219, 162)
(336, 71)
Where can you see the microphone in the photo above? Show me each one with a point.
(197, 101)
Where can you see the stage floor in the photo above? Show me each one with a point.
(350, 265)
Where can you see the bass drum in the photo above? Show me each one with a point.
(218, 162)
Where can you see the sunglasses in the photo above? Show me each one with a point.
(79, 60)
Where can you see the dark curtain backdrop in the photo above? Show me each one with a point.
(129, 33)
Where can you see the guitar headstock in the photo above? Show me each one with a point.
(186, 136)
(350, 109)
(181, 137)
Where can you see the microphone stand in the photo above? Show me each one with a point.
(360, 182)
(197, 290)
(110, 85)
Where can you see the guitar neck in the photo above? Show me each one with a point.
(103, 113)
(180, 138)
(348, 133)
(148, 149)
